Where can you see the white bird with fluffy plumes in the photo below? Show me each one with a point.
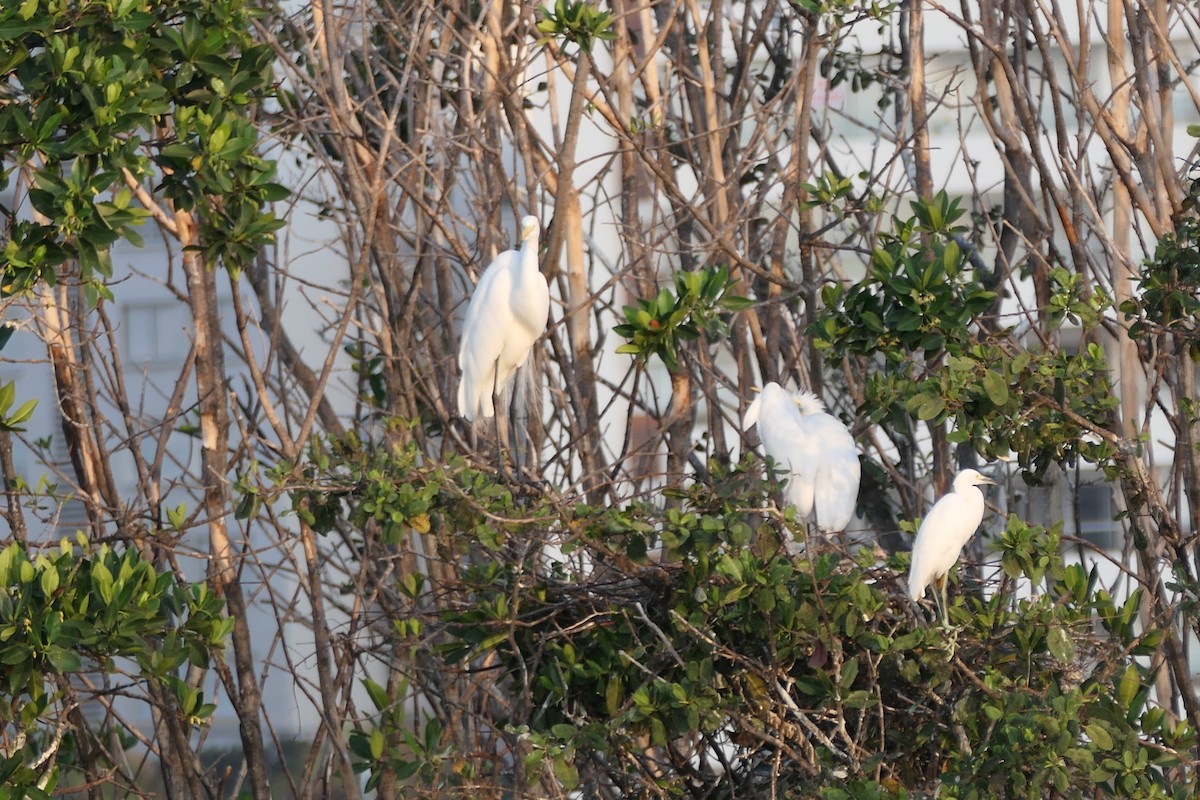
(815, 448)
(944, 532)
(507, 313)
(836, 471)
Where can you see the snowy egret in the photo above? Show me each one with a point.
(814, 447)
(943, 533)
(506, 315)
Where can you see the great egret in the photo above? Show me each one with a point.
(814, 447)
(943, 533)
(836, 471)
(506, 315)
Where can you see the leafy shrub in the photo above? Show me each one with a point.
(729, 665)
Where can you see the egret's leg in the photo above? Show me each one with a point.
(526, 465)
(525, 456)
(939, 599)
(945, 603)
(520, 440)
(501, 430)
(501, 434)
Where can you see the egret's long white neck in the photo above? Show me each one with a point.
(529, 255)
(529, 252)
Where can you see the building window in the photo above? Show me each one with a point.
(156, 334)
(1097, 510)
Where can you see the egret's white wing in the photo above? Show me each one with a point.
(836, 470)
(836, 491)
(783, 439)
(804, 458)
(485, 294)
(940, 539)
(752, 412)
(483, 337)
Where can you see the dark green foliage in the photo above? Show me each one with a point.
(916, 320)
(576, 21)
(700, 304)
(65, 611)
(1169, 298)
(155, 91)
(916, 297)
(808, 671)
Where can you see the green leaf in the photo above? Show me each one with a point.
(433, 734)
(377, 743)
(1127, 688)
(102, 580)
(872, 321)
(1021, 361)
(996, 388)
(950, 257)
(360, 745)
(1099, 736)
(23, 413)
(931, 408)
(64, 660)
(883, 259)
(563, 731)
(613, 693)
(49, 580)
(12, 29)
(566, 772)
(377, 693)
(849, 673)
(1060, 645)
(731, 567)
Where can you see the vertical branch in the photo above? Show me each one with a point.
(914, 63)
(796, 174)
(710, 120)
(568, 231)
(1126, 361)
(13, 513)
(680, 424)
(922, 178)
(214, 431)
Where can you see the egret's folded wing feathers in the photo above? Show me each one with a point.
(488, 315)
(837, 492)
(752, 412)
(939, 541)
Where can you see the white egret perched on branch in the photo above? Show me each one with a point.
(836, 471)
(815, 448)
(947, 527)
(507, 313)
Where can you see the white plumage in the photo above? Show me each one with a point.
(506, 315)
(815, 449)
(836, 471)
(947, 527)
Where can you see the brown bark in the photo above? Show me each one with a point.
(211, 383)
